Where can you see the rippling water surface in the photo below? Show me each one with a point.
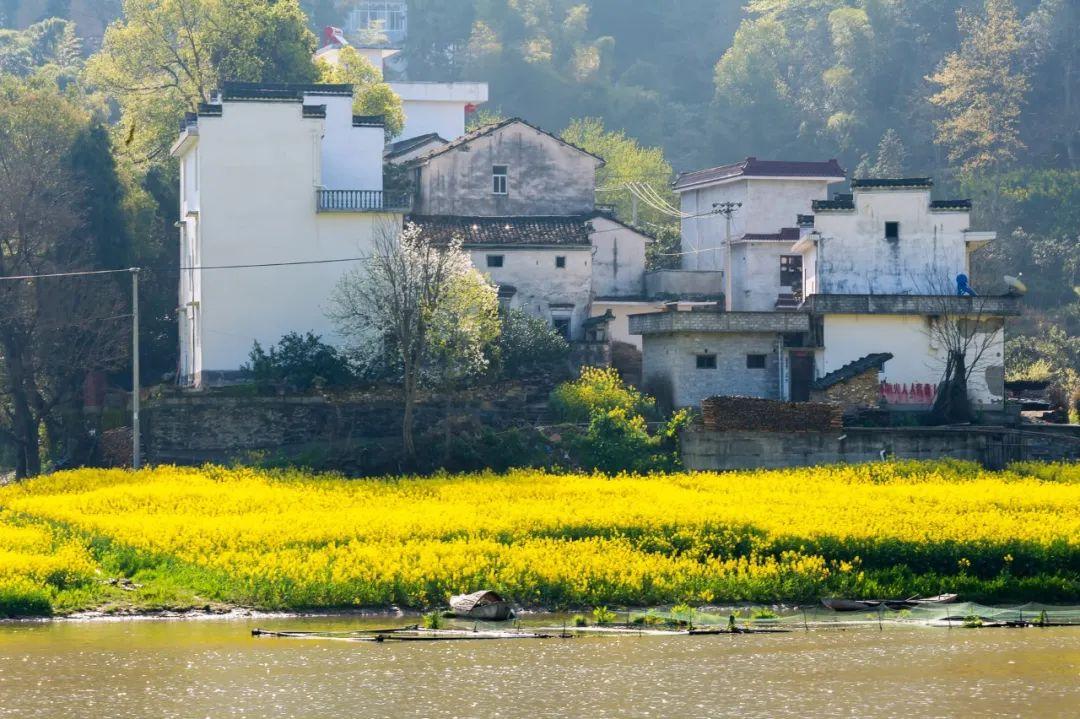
(214, 668)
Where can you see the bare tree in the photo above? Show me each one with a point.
(52, 330)
(966, 332)
(397, 301)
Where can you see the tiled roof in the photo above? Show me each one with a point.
(841, 202)
(852, 370)
(753, 167)
(950, 205)
(487, 130)
(805, 220)
(867, 182)
(279, 91)
(507, 231)
(368, 121)
(787, 234)
(314, 110)
(402, 147)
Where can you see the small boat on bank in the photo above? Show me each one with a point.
(486, 605)
(862, 605)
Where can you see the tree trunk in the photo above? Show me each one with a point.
(24, 424)
(408, 417)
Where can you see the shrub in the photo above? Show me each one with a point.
(299, 363)
(580, 620)
(597, 390)
(528, 343)
(603, 615)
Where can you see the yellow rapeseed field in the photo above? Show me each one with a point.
(287, 539)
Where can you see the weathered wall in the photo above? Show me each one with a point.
(669, 366)
(206, 427)
(707, 450)
(863, 391)
(539, 283)
(853, 256)
(755, 275)
(768, 205)
(618, 259)
(685, 284)
(545, 177)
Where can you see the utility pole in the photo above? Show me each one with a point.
(633, 221)
(136, 451)
(728, 210)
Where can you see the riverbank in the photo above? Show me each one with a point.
(173, 539)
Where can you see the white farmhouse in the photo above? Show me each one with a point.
(523, 202)
(272, 175)
(881, 272)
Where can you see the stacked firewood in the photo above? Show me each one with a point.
(725, 414)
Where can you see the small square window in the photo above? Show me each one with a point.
(755, 361)
(706, 361)
(892, 230)
(494, 260)
(560, 262)
(498, 179)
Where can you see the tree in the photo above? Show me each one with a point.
(52, 330)
(420, 303)
(982, 89)
(627, 166)
(371, 96)
(50, 42)
(891, 154)
(165, 57)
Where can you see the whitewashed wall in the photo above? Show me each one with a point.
(257, 206)
(438, 106)
(618, 259)
(917, 358)
(755, 275)
(351, 157)
(853, 256)
(539, 283)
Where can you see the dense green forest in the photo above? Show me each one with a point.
(982, 94)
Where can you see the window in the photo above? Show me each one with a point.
(791, 271)
(560, 262)
(562, 326)
(494, 260)
(390, 16)
(755, 361)
(892, 230)
(706, 361)
(498, 179)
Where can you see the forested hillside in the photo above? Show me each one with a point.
(982, 94)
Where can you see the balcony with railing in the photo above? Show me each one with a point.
(362, 201)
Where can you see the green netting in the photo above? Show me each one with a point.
(944, 614)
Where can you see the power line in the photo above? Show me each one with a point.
(186, 269)
(83, 273)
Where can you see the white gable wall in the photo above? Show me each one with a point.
(853, 256)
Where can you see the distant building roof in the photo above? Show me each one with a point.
(852, 370)
(290, 92)
(404, 147)
(487, 130)
(950, 205)
(787, 234)
(904, 182)
(753, 167)
(509, 232)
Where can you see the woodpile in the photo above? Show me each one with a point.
(726, 414)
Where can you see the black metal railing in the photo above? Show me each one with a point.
(362, 201)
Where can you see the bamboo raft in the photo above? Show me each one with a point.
(411, 633)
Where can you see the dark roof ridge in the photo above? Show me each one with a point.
(753, 167)
(864, 182)
(490, 128)
(852, 370)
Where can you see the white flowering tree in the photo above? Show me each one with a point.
(422, 305)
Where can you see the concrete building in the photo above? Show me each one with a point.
(431, 108)
(523, 202)
(271, 175)
(770, 195)
(880, 291)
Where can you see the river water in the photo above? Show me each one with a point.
(215, 668)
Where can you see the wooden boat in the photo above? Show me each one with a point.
(481, 605)
(862, 605)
